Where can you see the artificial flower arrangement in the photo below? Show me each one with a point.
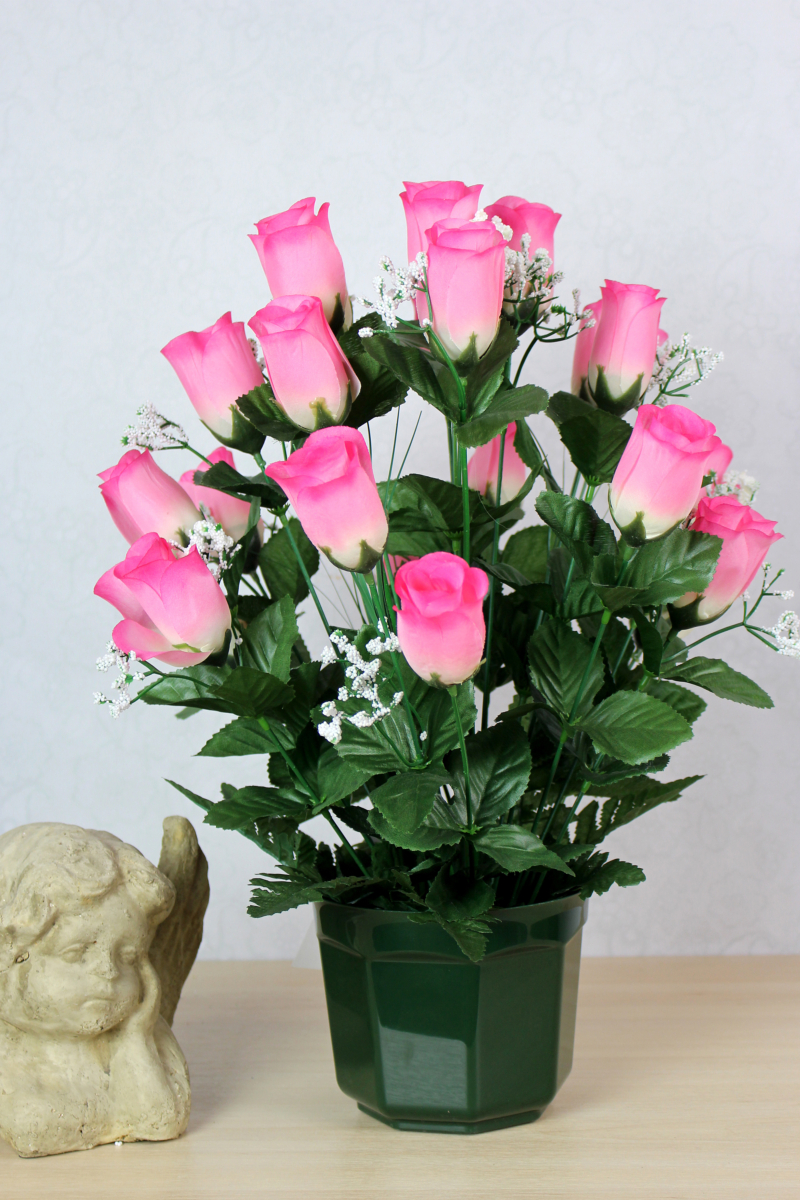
(437, 811)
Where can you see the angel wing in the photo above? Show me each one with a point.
(178, 938)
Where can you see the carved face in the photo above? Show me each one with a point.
(82, 977)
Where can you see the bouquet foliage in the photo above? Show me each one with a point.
(436, 809)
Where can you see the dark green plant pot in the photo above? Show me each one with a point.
(424, 1039)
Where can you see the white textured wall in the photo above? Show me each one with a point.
(141, 140)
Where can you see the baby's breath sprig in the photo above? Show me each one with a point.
(128, 674)
(680, 366)
(362, 685)
(394, 287)
(154, 432)
(216, 548)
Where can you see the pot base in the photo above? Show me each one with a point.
(487, 1126)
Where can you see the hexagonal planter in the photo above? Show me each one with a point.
(424, 1039)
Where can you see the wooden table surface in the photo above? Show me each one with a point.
(685, 1086)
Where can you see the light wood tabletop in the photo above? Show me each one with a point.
(686, 1086)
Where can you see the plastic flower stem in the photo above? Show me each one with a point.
(492, 582)
(450, 449)
(388, 502)
(465, 764)
(394, 443)
(465, 500)
(553, 768)
(369, 607)
(528, 349)
(186, 446)
(339, 834)
(622, 654)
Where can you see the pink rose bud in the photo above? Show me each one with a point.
(522, 217)
(173, 608)
(746, 539)
(232, 514)
(331, 487)
(583, 348)
(216, 367)
(312, 380)
(427, 203)
(624, 350)
(484, 466)
(440, 624)
(300, 257)
(144, 499)
(658, 479)
(466, 275)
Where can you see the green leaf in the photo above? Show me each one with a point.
(526, 448)
(206, 805)
(634, 727)
(242, 736)
(577, 526)
(666, 569)
(558, 658)
(339, 778)
(689, 705)
(193, 686)
(517, 849)
(251, 693)
(277, 897)
(381, 390)
(499, 768)
(631, 798)
(716, 676)
(268, 640)
(411, 365)
(526, 552)
(649, 640)
(487, 375)
(538, 594)
(243, 806)
(458, 899)
(279, 565)
(507, 405)
(427, 837)
(406, 800)
(435, 710)
(595, 439)
(601, 878)
(223, 478)
(263, 411)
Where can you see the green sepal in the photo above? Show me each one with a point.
(244, 436)
(605, 399)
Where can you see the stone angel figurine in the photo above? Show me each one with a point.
(95, 945)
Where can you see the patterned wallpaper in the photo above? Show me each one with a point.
(141, 140)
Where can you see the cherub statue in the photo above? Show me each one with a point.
(87, 1054)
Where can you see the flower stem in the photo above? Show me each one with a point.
(339, 834)
(465, 764)
(492, 583)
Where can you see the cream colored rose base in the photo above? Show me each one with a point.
(86, 1052)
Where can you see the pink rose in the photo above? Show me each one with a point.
(300, 257)
(216, 367)
(746, 539)
(658, 479)
(583, 348)
(624, 350)
(144, 499)
(232, 514)
(522, 217)
(173, 608)
(466, 272)
(331, 487)
(427, 203)
(440, 624)
(312, 380)
(484, 466)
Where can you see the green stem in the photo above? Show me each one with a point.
(492, 583)
(339, 834)
(528, 349)
(465, 500)
(186, 446)
(465, 764)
